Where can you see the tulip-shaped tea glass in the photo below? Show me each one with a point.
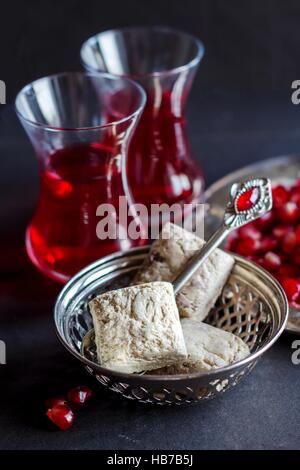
(80, 125)
(160, 166)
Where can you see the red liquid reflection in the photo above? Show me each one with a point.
(160, 165)
(61, 238)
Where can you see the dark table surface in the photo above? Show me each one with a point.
(227, 130)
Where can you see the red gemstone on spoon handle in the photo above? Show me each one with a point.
(247, 199)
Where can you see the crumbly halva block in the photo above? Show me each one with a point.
(168, 256)
(138, 328)
(207, 347)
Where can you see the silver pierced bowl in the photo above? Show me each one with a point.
(252, 306)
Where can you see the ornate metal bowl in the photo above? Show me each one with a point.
(252, 306)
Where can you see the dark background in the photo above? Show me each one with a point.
(250, 45)
(240, 111)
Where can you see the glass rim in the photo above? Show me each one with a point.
(162, 73)
(104, 75)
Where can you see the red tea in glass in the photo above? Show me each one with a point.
(160, 166)
(80, 130)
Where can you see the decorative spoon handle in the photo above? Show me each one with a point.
(248, 201)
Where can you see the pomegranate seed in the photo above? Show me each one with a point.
(78, 396)
(231, 241)
(268, 244)
(247, 199)
(273, 240)
(295, 304)
(280, 231)
(289, 213)
(295, 259)
(295, 194)
(249, 231)
(288, 270)
(289, 242)
(280, 196)
(62, 416)
(271, 261)
(252, 258)
(265, 221)
(51, 402)
(247, 246)
(230, 245)
(259, 261)
(297, 233)
(291, 288)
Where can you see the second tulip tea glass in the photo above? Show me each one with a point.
(160, 167)
(80, 125)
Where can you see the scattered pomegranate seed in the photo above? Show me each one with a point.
(291, 288)
(280, 196)
(247, 199)
(78, 396)
(289, 242)
(289, 213)
(51, 402)
(62, 416)
(271, 261)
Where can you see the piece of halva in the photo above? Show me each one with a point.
(207, 348)
(167, 258)
(138, 328)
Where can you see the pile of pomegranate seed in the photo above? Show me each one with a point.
(273, 241)
(60, 409)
